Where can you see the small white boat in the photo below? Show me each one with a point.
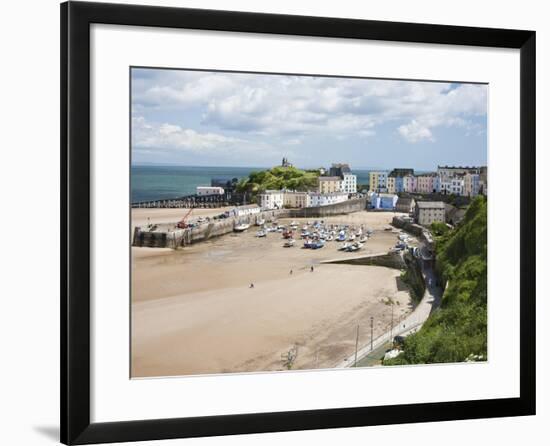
(261, 234)
(260, 222)
(241, 227)
(289, 243)
(351, 238)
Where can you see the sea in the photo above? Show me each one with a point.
(165, 182)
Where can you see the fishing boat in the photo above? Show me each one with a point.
(351, 238)
(289, 243)
(345, 246)
(261, 233)
(317, 244)
(260, 222)
(241, 227)
(341, 236)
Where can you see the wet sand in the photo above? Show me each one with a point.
(193, 311)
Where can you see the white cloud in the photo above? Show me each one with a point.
(170, 136)
(298, 106)
(150, 138)
(414, 132)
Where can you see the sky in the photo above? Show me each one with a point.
(205, 118)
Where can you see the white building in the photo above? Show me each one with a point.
(271, 199)
(457, 185)
(210, 190)
(348, 183)
(319, 199)
(249, 209)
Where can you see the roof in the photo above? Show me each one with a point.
(404, 201)
(430, 204)
(329, 178)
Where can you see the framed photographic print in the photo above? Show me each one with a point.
(275, 223)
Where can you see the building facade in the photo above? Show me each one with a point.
(348, 183)
(425, 183)
(378, 181)
(329, 185)
(249, 209)
(339, 169)
(210, 190)
(471, 184)
(409, 184)
(428, 212)
(292, 199)
(383, 201)
(320, 199)
(405, 205)
(271, 199)
(390, 184)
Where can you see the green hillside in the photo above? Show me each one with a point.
(458, 329)
(279, 178)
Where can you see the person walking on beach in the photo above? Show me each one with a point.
(311, 270)
(291, 272)
(251, 285)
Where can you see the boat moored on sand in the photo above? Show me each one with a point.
(241, 227)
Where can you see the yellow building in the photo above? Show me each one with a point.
(378, 181)
(329, 185)
(296, 199)
(391, 185)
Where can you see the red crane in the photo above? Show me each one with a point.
(181, 224)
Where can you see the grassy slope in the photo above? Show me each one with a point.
(459, 328)
(279, 178)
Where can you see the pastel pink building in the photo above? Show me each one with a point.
(425, 184)
(409, 183)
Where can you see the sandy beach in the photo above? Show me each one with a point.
(193, 310)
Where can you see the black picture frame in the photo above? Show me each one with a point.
(76, 18)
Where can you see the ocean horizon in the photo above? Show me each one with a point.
(158, 182)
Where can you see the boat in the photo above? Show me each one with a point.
(317, 244)
(351, 237)
(241, 227)
(345, 246)
(289, 243)
(341, 236)
(260, 222)
(363, 239)
(261, 234)
(287, 234)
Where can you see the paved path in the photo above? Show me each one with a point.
(412, 323)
